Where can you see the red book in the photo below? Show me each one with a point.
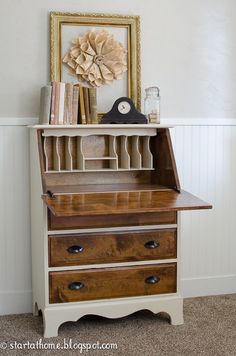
(82, 106)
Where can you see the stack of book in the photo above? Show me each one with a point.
(67, 104)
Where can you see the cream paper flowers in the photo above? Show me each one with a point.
(97, 58)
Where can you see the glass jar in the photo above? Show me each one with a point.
(152, 105)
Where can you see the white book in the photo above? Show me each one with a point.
(61, 103)
(45, 105)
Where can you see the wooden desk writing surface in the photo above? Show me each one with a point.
(122, 202)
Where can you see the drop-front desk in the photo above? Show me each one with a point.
(106, 201)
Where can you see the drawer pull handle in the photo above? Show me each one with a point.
(76, 285)
(75, 249)
(152, 244)
(152, 280)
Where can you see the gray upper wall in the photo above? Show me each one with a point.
(188, 49)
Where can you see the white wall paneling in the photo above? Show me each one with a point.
(15, 265)
(206, 157)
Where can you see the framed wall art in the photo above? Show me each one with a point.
(117, 35)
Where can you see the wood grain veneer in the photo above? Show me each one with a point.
(112, 282)
(122, 202)
(92, 188)
(109, 247)
(109, 220)
(164, 160)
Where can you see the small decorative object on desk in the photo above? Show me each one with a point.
(152, 105)
(123, 112)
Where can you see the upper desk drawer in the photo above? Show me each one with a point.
(109, 220)
(109, 247)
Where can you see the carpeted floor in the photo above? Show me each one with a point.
(209, 329)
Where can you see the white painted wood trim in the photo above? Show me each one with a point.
(38, 227)
(107, 229)
(138, 298)
(112, 308)
(111, 265)
(103, 126)
(179, 290)
(87, 130)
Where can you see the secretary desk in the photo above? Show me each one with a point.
(105, 202)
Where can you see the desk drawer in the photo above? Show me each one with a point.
(108, 247)
(84, 222)
(73, 286)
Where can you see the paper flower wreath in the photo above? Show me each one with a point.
(96, 58)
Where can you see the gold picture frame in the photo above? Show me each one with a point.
(64, 26)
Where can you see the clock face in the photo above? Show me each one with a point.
(124, 107)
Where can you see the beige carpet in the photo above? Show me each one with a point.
(209, 329)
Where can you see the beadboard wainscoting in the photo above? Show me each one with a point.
(206, 154)
(206, 157)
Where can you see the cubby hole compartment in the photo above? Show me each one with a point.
(100, 164)
(122, 152)
(74, 154)
(97, 152)
(134, 153)
(99, 146)
(58, 153)
(144, 149)
(54, 153)
(48, 153)
(61, 151)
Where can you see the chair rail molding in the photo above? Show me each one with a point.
(18, 121)
(175, 121)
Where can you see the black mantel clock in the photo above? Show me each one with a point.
(123, 112)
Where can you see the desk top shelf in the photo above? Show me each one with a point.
(104, 155)
(102, 126)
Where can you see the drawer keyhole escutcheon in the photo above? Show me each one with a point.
(152, 244)
(75, 249)
(75, 285)
(152, 279)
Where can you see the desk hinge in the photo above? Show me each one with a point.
(51, 194)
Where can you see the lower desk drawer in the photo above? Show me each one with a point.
(99, 221)
(75, 286)
(109, 247)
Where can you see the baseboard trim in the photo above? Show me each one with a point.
(196, 287)
(15, 302)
